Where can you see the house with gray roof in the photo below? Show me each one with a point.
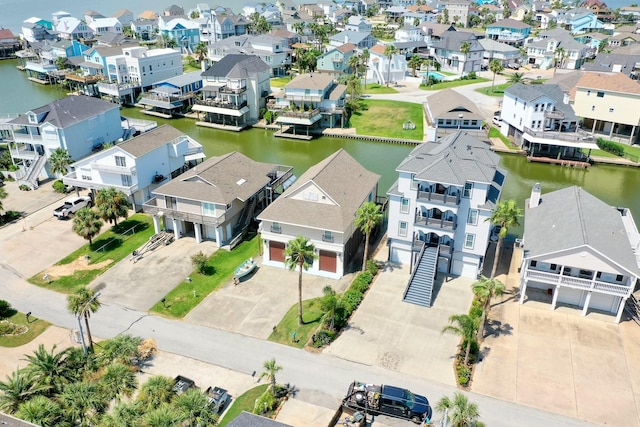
(448, 111)
(138, 165)
(539, 119)
(273, 50)
(321, 206)
(172, 96)
(438, 208)
(247, 419)
(219, 199)
(362, 40)
(578, 251)
(74, 123)
(447, 51)
(615, 63)
(233, 93)
(501, 51)
(556, 47)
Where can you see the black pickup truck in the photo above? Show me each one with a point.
(387, 400)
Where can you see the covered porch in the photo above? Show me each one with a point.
(612, 131)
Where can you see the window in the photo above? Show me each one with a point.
(402, 228)
(600, 94)
(533, 263)
(468, 189)
(619, 278)
(611, 110)
(593, 108)
(86, 177)
(327, 236)
(126, 180)
(414, 182)
(208, 209)
(588, 92)
(121, 161)
(473, 217)
(469, 240)
(404, 205)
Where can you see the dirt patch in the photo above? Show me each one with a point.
(82, 263)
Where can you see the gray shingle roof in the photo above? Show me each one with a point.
(530, 93)
(310, 81)
(354, 37)
(237, 67)
(448, 104)
(68, 111)
(245, 419)
(454, 159)
(452, 40)
(572, 218)
(220, 180)
(183, 79)
(341, 179)
(150, 140)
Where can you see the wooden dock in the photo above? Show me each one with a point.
(561, 162)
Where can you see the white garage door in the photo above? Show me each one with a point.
(400, 256)
(464, 269)
(571, 296)
(604, 302)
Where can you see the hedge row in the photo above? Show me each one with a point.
(610, 147)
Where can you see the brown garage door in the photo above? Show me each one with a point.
(328, 261)
(276, 251)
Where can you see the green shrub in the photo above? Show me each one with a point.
(199, 262)
(59, 187)
(6, 310)
(610, 147)
(323, 337)
(265, 403)
(351, 299)
(464, 375)
(24, 187)
(372, 267)
(360, 285)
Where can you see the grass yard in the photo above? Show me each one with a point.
(311, 314)
(374, 88)
(498, 90)
(631, 152)
(279, 81)
(244, 402)
(453, 83)
(111, 246)
(188, 67)
(36, 327)
(385, 118)
(494, 132)
(221, 266)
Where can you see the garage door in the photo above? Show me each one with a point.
(400, 256)
(464, 269)
(571, 296)
(276, 251)
(604, 302)
(328, 261)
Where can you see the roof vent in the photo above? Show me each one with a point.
(241, 181)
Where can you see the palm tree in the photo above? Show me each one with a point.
(87, 223)
(201, 51)
(299, 254)
(364, 57)
(271, 368)
(485, 289)
(465, 48)
(560, 55)
(121, 349)
(298, 27)
(122, 415)
(60, 161)
(414, 62)
(354, 62)
(495, 66)
(48, 370)
(83, 402)
(112, 204)
(16, 390)
(460, 411)
(194, 404)
(330, 304)
(516, 78)
(3, 195)
(42, 411)
(156, 391)
(505, 215)
(389, 51)
(466, 327)
(368, 216)
(164, 415)
(82, 303)
(118, 381)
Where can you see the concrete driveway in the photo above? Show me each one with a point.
(140, 285)
(559, 361)
(403, 337)
(259, 302)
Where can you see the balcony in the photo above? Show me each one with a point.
(439, 223)
(23, 135)
(151, 207)
(576, 137)
(276, 229)
(83, 79)
(300, 114)
(444, 199)
(444, 250)
(576, 282)
(115, 89)
(233, 91)
(73, 180)
(554, 114)
(221, 104)
(120, 170)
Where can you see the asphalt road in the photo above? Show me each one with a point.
(320, 378)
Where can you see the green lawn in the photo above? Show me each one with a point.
(279, 81)
(494, 132)
(244, 402)
(110, 245)
(188, 67)
(453, 83)
(36, 327)
(385, 118)
(221, 266)
(630, 151)
(375, 88)
(498, 90)
(311, 314)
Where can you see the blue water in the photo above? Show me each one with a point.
(434, 75)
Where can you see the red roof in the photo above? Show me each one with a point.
(347, 47)
(6, 34)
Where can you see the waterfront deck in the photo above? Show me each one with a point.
(285, 134)
(157, 114)
(561, 162)
(221, 126)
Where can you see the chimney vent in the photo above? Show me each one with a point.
(536, 192)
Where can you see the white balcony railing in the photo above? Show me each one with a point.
(122, 170)
(577, 283)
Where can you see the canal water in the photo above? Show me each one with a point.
(616, 185)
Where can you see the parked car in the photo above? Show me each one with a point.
(182, 384)
(513, 65)
(72, 206)
(218, 399)
(497, 120)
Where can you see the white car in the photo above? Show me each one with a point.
(497, 121)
